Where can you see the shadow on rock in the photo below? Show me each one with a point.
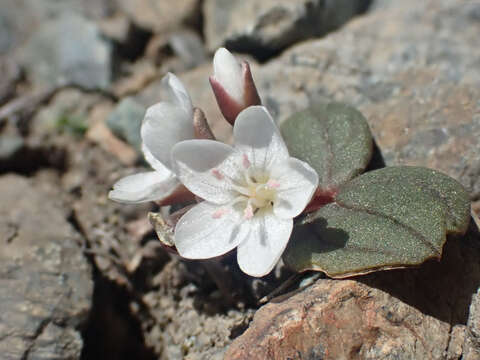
(442, 289)
(377, 161)
(112, 331)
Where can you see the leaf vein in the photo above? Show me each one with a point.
(407, 227)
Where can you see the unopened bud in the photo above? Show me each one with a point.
(232, 84)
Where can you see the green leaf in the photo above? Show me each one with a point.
(333, 138)
(384, 219)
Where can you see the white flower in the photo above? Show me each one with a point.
(252, 193)
(232, 84)
(164, 125)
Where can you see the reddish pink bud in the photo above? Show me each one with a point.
(232, 85)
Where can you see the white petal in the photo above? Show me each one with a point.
(176, 93)
(257, 136)
(164, 125)
(297, 182)
(144, 187)
(263, 247)
(154, 163)
(207, 168)
(208, 230)
(228, 72)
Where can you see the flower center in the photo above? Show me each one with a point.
(258, 192)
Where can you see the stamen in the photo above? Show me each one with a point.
(246, 162)
(219, 213)
(248, 180)
(237, 200)
(242, 190)
(248, 213)
(217, 174)
(273, 184)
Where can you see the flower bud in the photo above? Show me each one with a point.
(232, 84)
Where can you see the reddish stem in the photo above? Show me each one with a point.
(321, 198)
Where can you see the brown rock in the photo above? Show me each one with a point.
(100, 134)
(403, 314)
(159, 15)
(340, 320)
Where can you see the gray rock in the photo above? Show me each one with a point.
(69, 50)
(9, 145)
(46, 282)
(50, 9)
(125, 121)
(263, 28)
(159, 15)
(20, 19)
(10, 76)
(6, 34)
(188, 46)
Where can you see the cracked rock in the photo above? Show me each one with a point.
(46, 284)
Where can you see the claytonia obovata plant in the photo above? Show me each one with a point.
(308, 169)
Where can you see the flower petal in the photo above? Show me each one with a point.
(164, 125)
(176, 93)
(257, 136)
(297, 182)
(208, 230)
(228, 72)
(154, 163)
(207, 168)
(263, 247)
(143, 187)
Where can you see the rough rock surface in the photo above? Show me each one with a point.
(190, 324)
(46, 285)
(11, 75)
(268, 26)
(69, 50)
(20, 19)
(159, 15)
(125, 121)
(402, 314)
